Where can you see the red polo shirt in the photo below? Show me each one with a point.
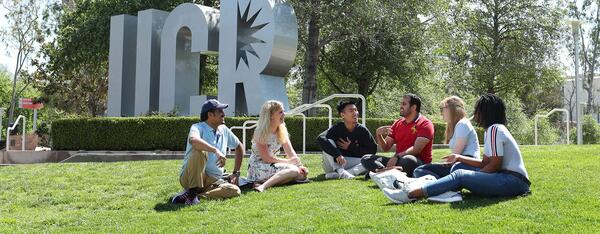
(405, 134)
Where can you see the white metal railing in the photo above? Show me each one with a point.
(254, 123)
(328, 107)
(12, 128)
(303, 130)
(245, 127)
(546, 116)
(304, 107)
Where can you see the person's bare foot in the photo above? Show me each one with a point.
(258, 188)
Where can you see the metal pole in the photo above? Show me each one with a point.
(23, 136)
(303, 134)
(536, 130)
(34, 120)
(576, 24)
(1, 113)
(568, 123)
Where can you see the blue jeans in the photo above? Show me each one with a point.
(480, 183)
(440, 170)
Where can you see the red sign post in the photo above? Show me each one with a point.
(27, 103)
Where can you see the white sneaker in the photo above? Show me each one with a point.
(397, 196)
(449, 196)
(357, 170)
(346, 175)
(332, 175)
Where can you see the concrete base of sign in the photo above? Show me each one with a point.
(31, 141)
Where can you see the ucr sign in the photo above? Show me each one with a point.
(154, 57)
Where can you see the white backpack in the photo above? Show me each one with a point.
(387, 179)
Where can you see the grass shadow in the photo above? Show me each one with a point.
(250, 187)
(472, 201)
(469, 202)
(247, 189)
(391, 204)
(321, 177)
(167, 206)
(318, 178)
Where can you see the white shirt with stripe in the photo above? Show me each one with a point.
(498, 142)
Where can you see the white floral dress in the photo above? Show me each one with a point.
(259, 171)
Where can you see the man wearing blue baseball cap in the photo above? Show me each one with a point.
(202, 170)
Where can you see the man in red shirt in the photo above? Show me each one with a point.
(413, 136)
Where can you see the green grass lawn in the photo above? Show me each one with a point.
(133, 197)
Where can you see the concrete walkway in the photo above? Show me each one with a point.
(30, 157)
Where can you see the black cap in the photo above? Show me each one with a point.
(212, 104)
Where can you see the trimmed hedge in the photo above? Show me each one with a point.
(169, 133)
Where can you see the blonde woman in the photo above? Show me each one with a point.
(460, 135)
(265, 168)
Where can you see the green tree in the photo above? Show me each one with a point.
(25, 90)
(387, 46)
(22, 34)
(589, 14)
(74, 73)
(503, 46)
(317, 21)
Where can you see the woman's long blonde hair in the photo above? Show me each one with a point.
(456, 106)
(263, 131)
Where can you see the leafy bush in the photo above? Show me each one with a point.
(43, 132)
(591, 131)
(522, 127)
(169, 133)
(547, 133)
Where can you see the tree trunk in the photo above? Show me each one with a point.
(363, 82)
(68, 4)
(364, 85)
(201, 77)
(590, 97)
(311, 57)
(11, 114)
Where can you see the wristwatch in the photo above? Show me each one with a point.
(236, 173)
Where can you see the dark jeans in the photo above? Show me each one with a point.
(440, 170)
(408, 163)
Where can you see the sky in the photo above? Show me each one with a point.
(6, 60)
